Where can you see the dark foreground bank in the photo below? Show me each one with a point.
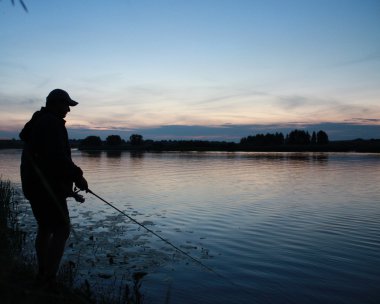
(18, 284)
(17, 276)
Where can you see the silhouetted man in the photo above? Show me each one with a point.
(47, 175)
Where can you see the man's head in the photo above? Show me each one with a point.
(59, 102)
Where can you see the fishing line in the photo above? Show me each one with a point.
(171, 244)
(154, 233)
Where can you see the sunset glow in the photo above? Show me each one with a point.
(136, 65)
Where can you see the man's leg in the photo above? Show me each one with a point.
(42, 250)
(53, 231)
(56, 247)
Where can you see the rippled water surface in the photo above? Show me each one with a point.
(275, 227)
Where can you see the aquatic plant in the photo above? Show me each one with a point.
(10, 232)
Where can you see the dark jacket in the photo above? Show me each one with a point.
(46, 164)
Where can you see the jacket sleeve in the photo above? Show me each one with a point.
(55, 151)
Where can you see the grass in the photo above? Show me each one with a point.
(17, 275)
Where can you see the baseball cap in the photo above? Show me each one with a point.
(59, 95)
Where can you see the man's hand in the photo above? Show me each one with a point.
(79, 198)
(82, 184)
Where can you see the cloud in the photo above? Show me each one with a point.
(364, 120)
(292, 102)
(374, 56)
(18, 104)
(162, 107)
(13, 65)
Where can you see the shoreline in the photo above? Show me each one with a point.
(358, 145)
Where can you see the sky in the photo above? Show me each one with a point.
(206, 69)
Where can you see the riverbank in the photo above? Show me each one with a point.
(18, 284)
(17, 279)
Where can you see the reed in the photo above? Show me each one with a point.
(11, 236)
(17, 275)
(5, 203)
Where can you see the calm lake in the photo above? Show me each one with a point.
(274, 227)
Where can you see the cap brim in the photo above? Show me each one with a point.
(72, 103)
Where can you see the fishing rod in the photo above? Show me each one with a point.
(157, 235)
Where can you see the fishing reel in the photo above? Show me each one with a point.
(78, 197)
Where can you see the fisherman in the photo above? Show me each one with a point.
(48, 174)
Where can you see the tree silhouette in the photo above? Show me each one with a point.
(113, 140)
(298, 137)
(93, 141)
(313, 138)
(136, 139)
(322, 138)
(263, 140)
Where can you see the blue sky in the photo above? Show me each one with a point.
(208, 67)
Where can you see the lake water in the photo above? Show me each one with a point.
(274, 227)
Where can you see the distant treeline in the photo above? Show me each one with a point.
(295, 141)
(11, 144)
(296, 137)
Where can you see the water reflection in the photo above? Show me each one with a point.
(291, 227)
(298, 156)
(114, 154)
(137, 154)
(91, 153)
